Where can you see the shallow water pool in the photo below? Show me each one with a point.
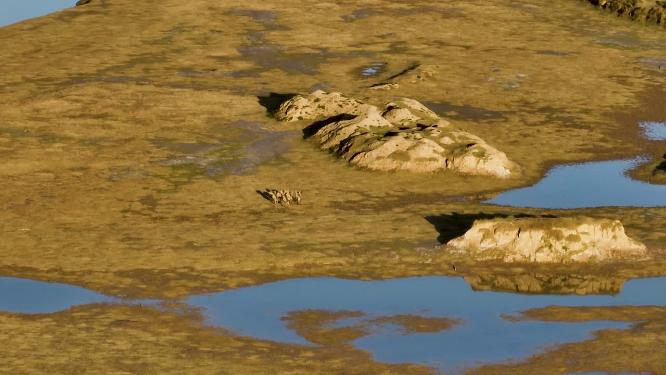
(593, 184)
(654, 130)
(19, 10)
(38, 297)
(483, 336)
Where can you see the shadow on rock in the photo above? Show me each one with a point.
(273, 100)
(454, 225)
(312, 129)
(661, 167)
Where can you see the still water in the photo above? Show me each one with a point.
(27, 296)
(483, 334)
(593, 184)
(654, 130)
(13, 11)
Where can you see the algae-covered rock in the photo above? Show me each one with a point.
(403, 136)
(317, 105)
(548, 240)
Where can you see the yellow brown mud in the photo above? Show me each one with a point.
(89, 193)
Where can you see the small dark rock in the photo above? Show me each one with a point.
(661, 168)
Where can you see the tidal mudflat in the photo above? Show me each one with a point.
(137, 138)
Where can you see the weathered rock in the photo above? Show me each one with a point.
(83, 2)
(404, 136)
(317, 105)
(548, 240)
(649, 11)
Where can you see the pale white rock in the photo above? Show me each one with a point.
(548, 240)
(404, 136)
(335, 133)
(317, 105)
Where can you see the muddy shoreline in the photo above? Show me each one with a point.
(134, 153)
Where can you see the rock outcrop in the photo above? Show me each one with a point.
(649, 11)
(403, 136)
(548, 240)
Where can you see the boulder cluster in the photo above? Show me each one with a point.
(548, 240)
(403, 135)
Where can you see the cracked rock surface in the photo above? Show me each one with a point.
(404, 135)
(548, 240)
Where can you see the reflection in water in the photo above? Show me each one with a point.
(594, 184)
(540, 283)
(481, 333)
(19, 10)
(483, 336)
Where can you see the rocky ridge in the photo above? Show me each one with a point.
(404, 135)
